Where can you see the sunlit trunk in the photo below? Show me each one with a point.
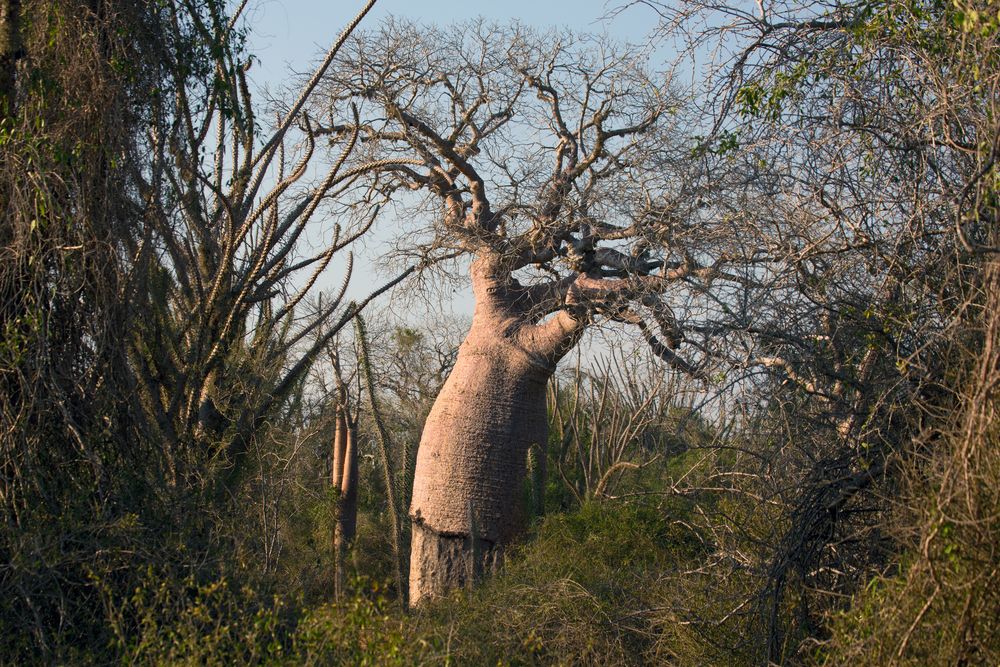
(344, 479)
(471, 461)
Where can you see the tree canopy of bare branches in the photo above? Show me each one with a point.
(872, 129)
(552, 159)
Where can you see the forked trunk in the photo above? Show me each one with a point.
(471, 460)
(344, 479)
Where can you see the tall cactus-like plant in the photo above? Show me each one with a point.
(536, 479)
(385, 449)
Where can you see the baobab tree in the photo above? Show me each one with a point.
(550, 160)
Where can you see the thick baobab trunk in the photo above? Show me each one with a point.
(471, 460)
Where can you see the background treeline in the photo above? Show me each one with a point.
(171, 382)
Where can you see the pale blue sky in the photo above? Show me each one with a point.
(291, 33)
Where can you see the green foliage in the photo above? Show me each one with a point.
(940, 604)
(579, 592)
(366, 630)
(766, 98)
(178, 621)
(588, 588)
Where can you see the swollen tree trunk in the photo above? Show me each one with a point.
(471, 460)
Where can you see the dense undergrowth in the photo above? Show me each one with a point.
(595, 586)
(844, 513)
(615, 582)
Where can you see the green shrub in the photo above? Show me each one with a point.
(580, 592)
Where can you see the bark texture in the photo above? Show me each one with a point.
(344, 479)
(529, 162)
(439, 563)
(471, 460)
(10, 52)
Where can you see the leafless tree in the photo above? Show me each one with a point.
(872, 129)
(236, 231)
(550, 161)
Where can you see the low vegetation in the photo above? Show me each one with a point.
(207, 459)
